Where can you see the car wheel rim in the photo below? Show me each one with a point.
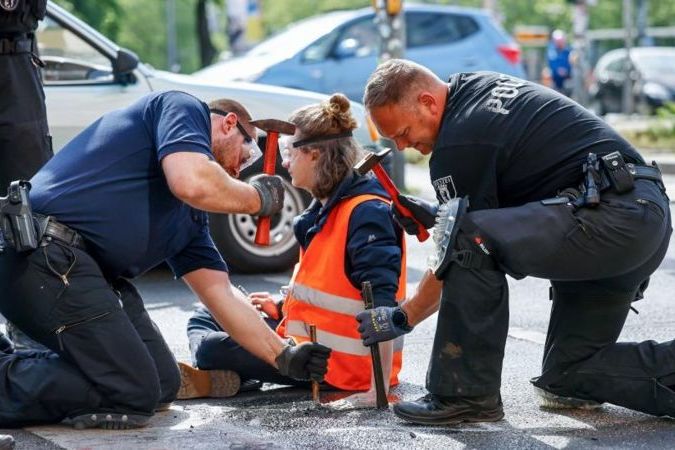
(282, 239)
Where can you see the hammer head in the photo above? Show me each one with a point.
(370, 160)
(274, 126)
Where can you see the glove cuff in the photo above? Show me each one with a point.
(400, 319)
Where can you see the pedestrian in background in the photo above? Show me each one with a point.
(558, 56)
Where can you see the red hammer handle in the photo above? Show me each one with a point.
(392, 190)
(262, 233)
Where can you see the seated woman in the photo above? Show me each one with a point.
(347, 236)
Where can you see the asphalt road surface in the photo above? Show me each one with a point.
(278, 417)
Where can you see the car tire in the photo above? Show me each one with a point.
(234, 234)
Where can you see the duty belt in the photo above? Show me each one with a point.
(652, 173)
(51, 230)
(9, 46)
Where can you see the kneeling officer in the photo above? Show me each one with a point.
(126, 194)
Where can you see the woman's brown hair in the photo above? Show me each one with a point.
(336, 156)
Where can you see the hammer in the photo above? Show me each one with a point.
(372, 162)
(272, 127)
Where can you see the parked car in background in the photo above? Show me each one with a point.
(653, 75)
(337, 51)
(87, 75)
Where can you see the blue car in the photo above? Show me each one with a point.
(337, 51)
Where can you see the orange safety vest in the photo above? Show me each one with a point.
(321, 294)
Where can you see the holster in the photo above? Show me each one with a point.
(617, 173)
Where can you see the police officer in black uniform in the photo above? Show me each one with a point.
(25, 144)
(533, 184)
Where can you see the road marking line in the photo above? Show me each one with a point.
(524, 334)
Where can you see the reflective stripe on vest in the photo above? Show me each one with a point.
(335, 341)
(322, 294)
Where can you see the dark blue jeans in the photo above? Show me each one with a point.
(105, 352)
(213, 349)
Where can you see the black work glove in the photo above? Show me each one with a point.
(304, 362)
(381, 324)
(422, 210)
(271, 191)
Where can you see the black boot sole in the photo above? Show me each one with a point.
(109, 421)
(484, 416)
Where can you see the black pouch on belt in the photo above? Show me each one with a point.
(617, 172)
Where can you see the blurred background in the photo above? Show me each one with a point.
(616, 57)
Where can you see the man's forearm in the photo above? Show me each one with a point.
(235, 314)
(425, 301)
(205, 185)
(217, 192)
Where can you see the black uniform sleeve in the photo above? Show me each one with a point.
(373, 251)
(467, 169)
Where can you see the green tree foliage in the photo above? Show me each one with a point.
(103, 15)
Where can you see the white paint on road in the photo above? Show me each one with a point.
(524, 334)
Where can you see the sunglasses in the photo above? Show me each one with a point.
(247, 137)
(250, 144)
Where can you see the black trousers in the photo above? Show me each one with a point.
(598, 260)
(213, 349)
(105, 352)
(25, 144)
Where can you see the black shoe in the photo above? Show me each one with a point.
(437, 410)
(108, 421)
(6, 442)
(250, 385)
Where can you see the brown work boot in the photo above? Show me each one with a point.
(196, 383)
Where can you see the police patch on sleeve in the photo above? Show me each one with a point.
(9, 5)
(445, 188)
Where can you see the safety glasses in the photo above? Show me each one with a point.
(250, 146)
(289, 143)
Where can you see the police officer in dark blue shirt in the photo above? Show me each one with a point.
(129, 192)
(530, 184)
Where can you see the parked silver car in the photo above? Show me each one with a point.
(87, 75)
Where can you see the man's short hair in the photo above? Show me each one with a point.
(393, 81)
(233, 106)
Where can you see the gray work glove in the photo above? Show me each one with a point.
(307, 361)
(383, 323)
(271, 191)
(422, 210)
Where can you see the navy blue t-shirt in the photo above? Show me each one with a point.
(108, 184)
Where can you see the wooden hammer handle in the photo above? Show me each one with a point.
(380, 393)
(315, 384)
